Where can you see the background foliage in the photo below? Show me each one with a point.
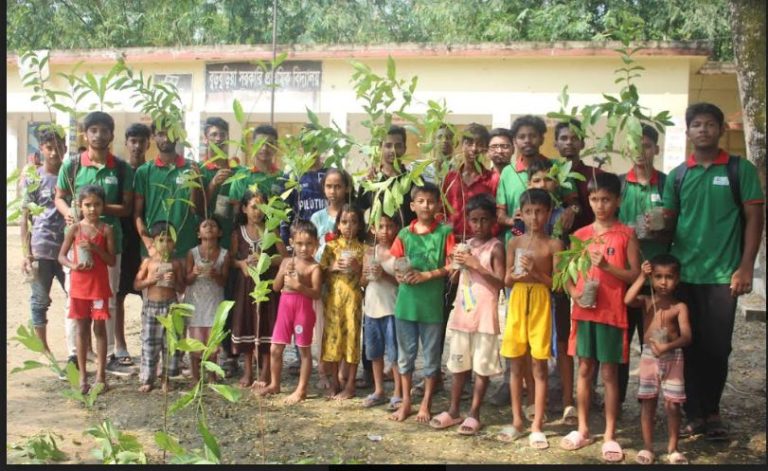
(74, 24)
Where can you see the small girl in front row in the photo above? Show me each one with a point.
(94, 250)
(342, 302)
(299, 281)
(252, 323)
(207, 269)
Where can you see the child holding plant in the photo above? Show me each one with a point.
(667, 331)
(379, 308)
(342, 264)
(94, 249)
(42, 241)
(474, 321)
(599, 332)
(163, 286)
(530, 262)
(252, 323)
(421, 250)
(298, 280)
(207, 270)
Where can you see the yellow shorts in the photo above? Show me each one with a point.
(529, 322)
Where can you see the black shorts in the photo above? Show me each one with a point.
(562, 305)
(129, 267)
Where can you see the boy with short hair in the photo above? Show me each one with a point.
(599, 332)
(157, 302)
(667, 330)
(427, 244)
(530, 262)
(43, 240)
(474, 321)
(716, 239)
(262, 173)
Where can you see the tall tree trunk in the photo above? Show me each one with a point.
(748, 28)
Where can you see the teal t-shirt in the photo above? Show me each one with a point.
(158, 183)
(423, 302)
(708, 235)
(105, 176)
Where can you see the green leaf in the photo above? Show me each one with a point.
(184, 401)
(28, 365)
(214, 368)
(211, 446)
(166, 442)
(237, 107)
(227, 392)
(190, 345)
(29, 339)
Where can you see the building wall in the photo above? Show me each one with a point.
(491, 90)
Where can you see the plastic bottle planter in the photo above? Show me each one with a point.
(346, 256)
(162, 269)
(34, 268)
(84, 256)
(519, 254)
(74, 210)
(223, 209)
(206, 267)
(656, 219)
(461, 247)
(402, 266)
(373, 263)
(589, 293)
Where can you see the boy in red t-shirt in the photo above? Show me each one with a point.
(599, 332)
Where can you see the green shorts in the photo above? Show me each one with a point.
(605, 343)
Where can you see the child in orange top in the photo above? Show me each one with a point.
(599, 331)
(89, 293)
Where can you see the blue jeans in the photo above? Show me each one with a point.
(408, 335)
(380, 337)
(40, 299)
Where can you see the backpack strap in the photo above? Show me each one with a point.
(679, 172)
(732, 169)
(662, 180)
(623, 180)
(121, 165)
(73, 169)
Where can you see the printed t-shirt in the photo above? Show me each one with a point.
(484, 315)
(47, 230)
(105, 176)
(208, 171)
(423, 302)
(610, 309)
(155, 182)
(708, 236)
(637, 199)
(310, 201)
(457, 193)
(324, 224)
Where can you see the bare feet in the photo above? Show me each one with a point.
(145, 388)
(84, 388)
(259, 384)
(268, 390)
(345, 394)
(323, 383)
(423, 416)
(246, 380)
(401, 414)
(295, 397)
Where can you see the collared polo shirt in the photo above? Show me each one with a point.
(104, 175)
(638, 199)
(156, 182)
(207, 172)
(708, 235)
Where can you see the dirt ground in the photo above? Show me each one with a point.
(319, 431)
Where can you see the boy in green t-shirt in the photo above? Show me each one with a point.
(421, 251)
(717, 250)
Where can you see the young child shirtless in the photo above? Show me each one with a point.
(157, 301)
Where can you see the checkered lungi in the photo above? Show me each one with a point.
(153, 341)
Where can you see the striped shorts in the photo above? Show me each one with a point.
(152, 339)
(666, 370)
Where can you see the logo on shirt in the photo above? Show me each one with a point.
(655, 197)
(720, 181)
(110, 180)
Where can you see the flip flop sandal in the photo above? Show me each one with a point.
(610, 449)
(570, 415)
(394, 403)
(538, 441)
(444, 420)
(373, 400)
(645, 457)
(530, 414)
(470, 426)
(574, 441)
(508, 434)
(125, 361)
(677, 458)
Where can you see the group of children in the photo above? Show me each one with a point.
(332, 288)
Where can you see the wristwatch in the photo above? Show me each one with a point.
(575, 208)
